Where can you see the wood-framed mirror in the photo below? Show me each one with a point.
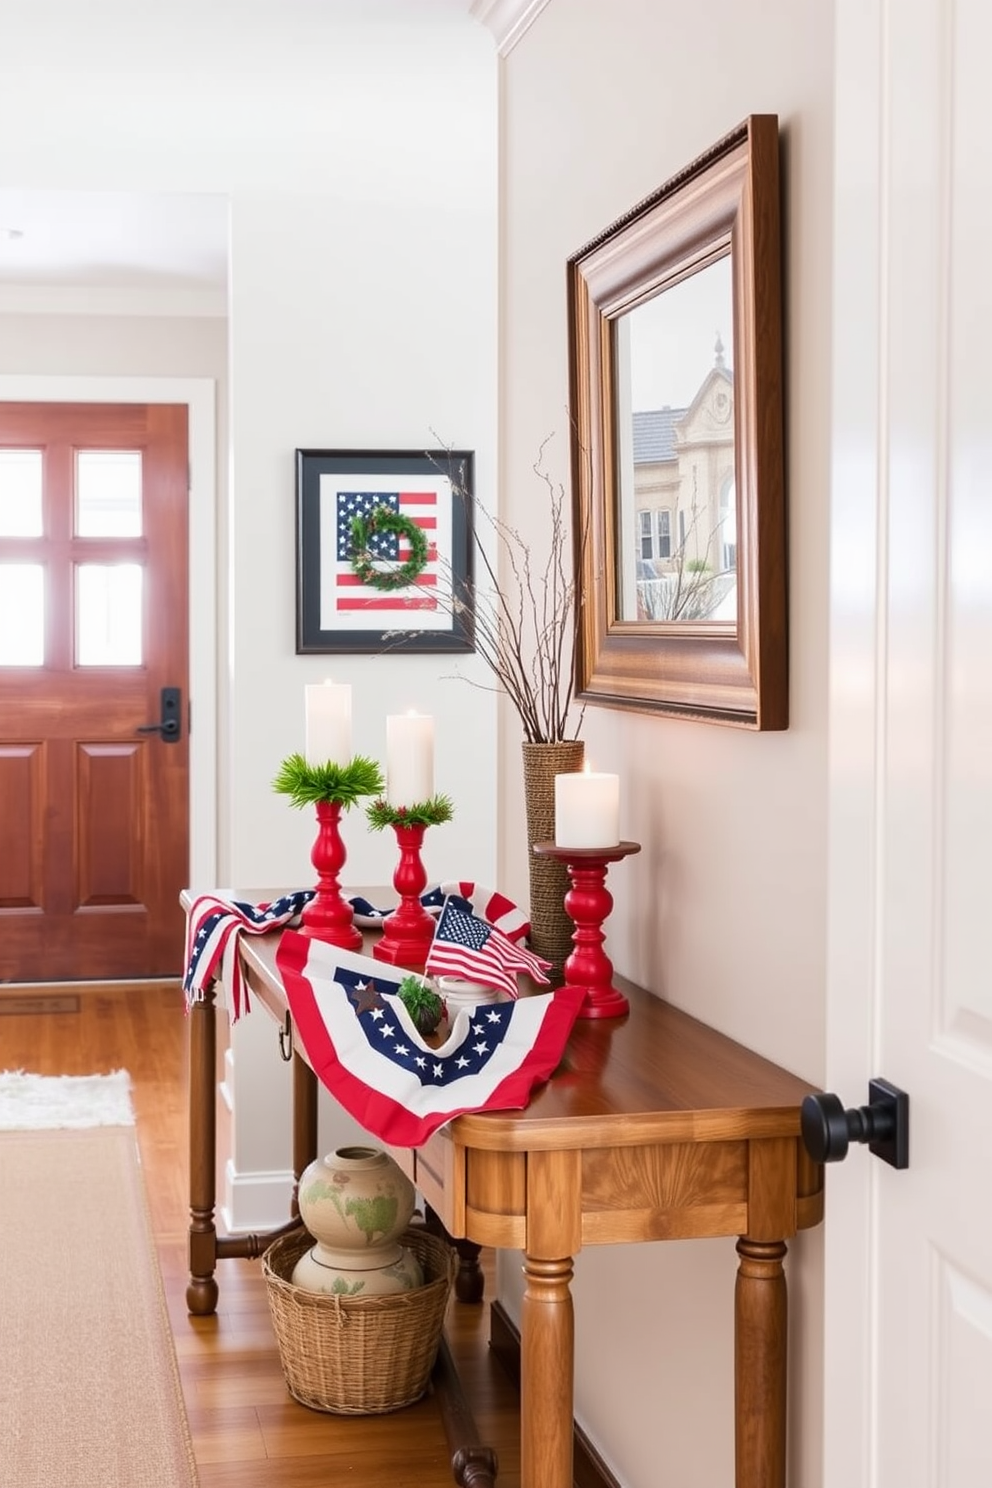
(675, 370)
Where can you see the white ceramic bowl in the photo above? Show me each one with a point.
(459, 992)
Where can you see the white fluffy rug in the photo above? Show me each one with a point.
(36, 1102)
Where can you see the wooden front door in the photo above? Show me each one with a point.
(94, 812)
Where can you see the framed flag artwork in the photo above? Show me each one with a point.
(384, 550)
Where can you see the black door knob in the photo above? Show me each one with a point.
(828, 1129)
(168, 726)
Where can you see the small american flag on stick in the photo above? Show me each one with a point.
(466, 946)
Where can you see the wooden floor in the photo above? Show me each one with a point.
(247, 1430)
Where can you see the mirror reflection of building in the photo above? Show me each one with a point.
(684, 537)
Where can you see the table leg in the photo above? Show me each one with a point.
(761, 1308)
(304, 1124)
(470, 1283)
(547, 1345)
(201, 1293)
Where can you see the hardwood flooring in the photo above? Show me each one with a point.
(247, 1430)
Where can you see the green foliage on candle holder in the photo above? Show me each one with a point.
(432, 813)
(306, 784)
(422, 1003)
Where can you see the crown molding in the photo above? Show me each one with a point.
(507, 19)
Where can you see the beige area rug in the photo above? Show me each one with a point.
(89, 1386)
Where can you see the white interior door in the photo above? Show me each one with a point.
(908, 1258)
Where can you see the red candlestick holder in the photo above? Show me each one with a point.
(588, 903)
(407, 932)
(329, 916)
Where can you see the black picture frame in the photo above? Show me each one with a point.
(334, 611)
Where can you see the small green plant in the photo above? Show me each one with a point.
(432, 813)
(306, 784)
(422, 1003)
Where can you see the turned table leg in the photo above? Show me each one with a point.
(760, 1362)
(201, 1293)
(470, 1282)
(304, 1124)
(546, 1374)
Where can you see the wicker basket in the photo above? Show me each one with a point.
(358, 1355)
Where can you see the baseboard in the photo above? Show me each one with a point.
(588, 1468)
(254, 1203)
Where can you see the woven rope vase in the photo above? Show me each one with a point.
(550, 927)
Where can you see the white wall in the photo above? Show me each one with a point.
(723, 911)
(96, 345)
(394, 336)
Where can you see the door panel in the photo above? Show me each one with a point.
(22, 826)
(964, 1355)
(94, 826)
(110, 787)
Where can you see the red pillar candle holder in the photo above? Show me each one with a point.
(407, 932)
(329, 916)
(588, 903)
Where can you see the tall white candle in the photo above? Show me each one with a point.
(328, 723)
(409, 758)
(587, 809)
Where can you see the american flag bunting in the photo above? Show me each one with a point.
(215, 921)
(364, 1047)
(488, 904)
(213, 926)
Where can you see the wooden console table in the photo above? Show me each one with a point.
(655, 1127)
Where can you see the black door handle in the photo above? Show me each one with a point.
(168, 726)
(828, 1129)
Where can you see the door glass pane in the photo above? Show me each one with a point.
(108, 493)
(108, 614)
(22, 614)
(20, 493)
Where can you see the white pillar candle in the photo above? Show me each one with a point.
(328, 723)
(587, 809)
(409, 759)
